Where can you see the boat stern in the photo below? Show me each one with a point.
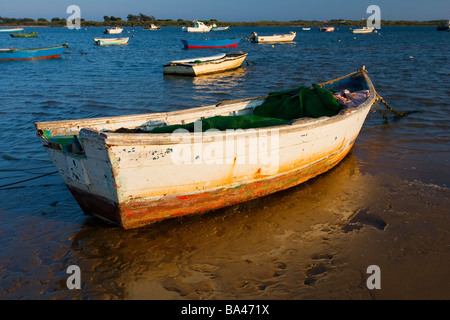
(85, 168)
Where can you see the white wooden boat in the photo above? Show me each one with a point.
(306, 28)
(134, 179)
(115, 30)
(9, 30)
(198, 27)
(205, 65)
(152, 27)
(110, 41)
(363, 30)
(274, 38)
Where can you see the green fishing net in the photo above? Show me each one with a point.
(278, 109)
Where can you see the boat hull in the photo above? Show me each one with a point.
(11, 30)
(192, 29)
(210, 43)
(327, 29)
(133, 180)
(229, 62)
(24, 35)
(220, 28)
(113, 31)
(275, 38)
(137, 213)
(363, 30)
(32, 54)
(110, 42)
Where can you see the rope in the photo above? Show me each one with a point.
(249, 61)
(383, 112)
(401, 114)
(17, 182)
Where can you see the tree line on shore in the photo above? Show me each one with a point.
(142, 20)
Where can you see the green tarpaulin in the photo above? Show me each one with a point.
(278, 109)
(223, 123)
(312, 102)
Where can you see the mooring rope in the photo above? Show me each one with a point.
(249, 61)
(17, 182)
(383, 113)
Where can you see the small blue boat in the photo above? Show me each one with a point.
(210, 43)
(28, 54)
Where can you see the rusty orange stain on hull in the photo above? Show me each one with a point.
(189, 197)
(140, 212)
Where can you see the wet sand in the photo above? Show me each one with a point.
(283, 248)
(314, 241)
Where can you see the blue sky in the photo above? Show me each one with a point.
(230, 10)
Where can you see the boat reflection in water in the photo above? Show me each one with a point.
(270, 237)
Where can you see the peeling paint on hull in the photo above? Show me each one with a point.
(132, 179)
(141, 212)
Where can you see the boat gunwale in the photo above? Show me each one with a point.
(226, 57)
(115, 138)
(212, 58)
(33, 49)
(111, 39)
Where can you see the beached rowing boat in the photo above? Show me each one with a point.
(32, 54)
(205, 65)
(110, 41)
(121, 170)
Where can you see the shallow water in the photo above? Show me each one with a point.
(385, 204)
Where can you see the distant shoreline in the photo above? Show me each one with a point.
(56, 22)
(259, 26)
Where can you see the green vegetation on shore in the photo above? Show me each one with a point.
(142, 20)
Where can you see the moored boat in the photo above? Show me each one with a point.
(326, 29)
(210, 43)
(9, 30)
(24, 35)
(32, 54)
(120, 170)
(199, 26)
(152, 27)
(115, 30)
(363, 30)
(216, 28)
(205, 65)
(444, 27)
(274, 38)
(110, 41)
